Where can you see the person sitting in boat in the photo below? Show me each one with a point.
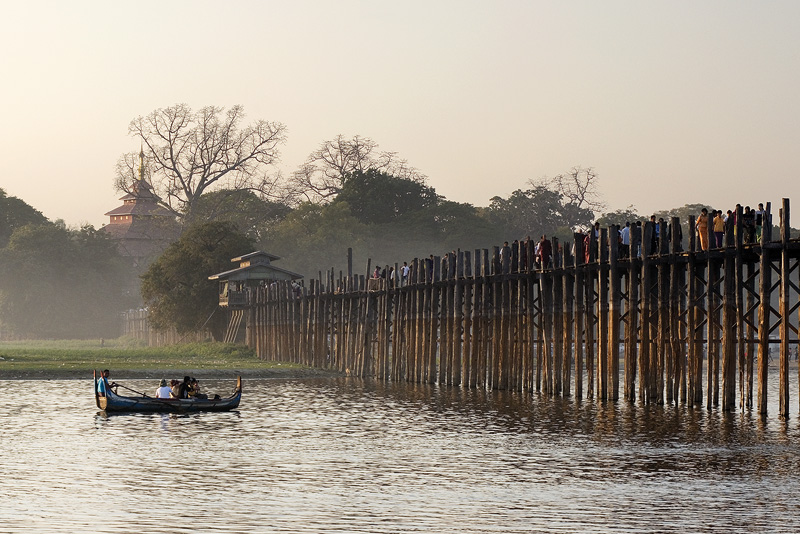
(194, 391)
(185, 387)
(163, 391)
(175, 386)
(102, 383)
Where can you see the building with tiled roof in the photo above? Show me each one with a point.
(237, 285)
(141, 227)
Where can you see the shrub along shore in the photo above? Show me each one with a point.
(76, 359)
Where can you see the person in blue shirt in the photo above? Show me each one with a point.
(102, 383)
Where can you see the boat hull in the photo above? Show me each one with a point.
(113, 403)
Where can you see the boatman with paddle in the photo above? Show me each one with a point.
(103, 385)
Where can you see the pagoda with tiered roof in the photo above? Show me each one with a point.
(141, 227)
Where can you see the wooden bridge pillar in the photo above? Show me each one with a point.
(676, 384)
(765, 289)
(580, 313)
(569, 297)
(646, 393)
(785, 311)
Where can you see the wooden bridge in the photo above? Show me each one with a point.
(664, 326)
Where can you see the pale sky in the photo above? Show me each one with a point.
(671, 102)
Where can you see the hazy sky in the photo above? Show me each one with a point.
(670, 102)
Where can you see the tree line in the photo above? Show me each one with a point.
(209, 164)
(58, 282)
(217, 176)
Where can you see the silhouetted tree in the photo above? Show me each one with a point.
(189, 153)
(375, 197)
(16, 213)
(327, 169)
(176, 288)
(536, 211)
(62, 283)
(253, 215)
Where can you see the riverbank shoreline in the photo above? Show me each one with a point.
(277, 372)
(78, 360)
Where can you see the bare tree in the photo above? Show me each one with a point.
(188, 153)
(578, 187)
(327, 169)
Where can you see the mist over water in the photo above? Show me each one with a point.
(345, 455)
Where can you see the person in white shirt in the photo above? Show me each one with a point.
(163, 391)
(625, 236)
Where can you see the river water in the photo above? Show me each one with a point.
(344, 455)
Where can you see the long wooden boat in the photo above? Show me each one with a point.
(145, 404)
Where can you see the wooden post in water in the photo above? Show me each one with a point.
(664, 350)
(713, 329)
(467, 369)
(458, 318)
(523, 349)
(580, 312)
(477, 323)
(546, 302)
(558, 322)
(646, 393)
(632, 314)
(785, 310)
(504, 351)
(751, 332)
(569, 299)
(691, 317)
(591, 315)
(615, 303)
(741, 348)
(484, 360)
(729, 316)
(602, 317)
(676, 282)
(765, 287)
(495, 328)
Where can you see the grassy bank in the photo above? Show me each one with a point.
(127, 359)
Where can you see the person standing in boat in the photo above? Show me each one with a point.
(102, 384)
(163, 391)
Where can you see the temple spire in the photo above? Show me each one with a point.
(141, 163)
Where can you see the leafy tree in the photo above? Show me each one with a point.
(61, 283)
(253, 215)
(620, 217)
(16, 213)
(536, 211)
(315, 237)
(328, 168)
(375, 197)
(176, 288)
(684, 212)
(447, 225)
(189, 153)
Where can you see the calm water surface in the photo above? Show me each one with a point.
(342, 455)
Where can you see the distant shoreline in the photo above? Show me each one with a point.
(60, 360)
(157, 374)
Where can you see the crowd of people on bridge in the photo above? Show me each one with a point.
(514, 257)
(723, 224)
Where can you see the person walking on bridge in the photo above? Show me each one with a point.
(545, 252)
(702, 228)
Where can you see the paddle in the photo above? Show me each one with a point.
(134, 391)
(168, 403)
